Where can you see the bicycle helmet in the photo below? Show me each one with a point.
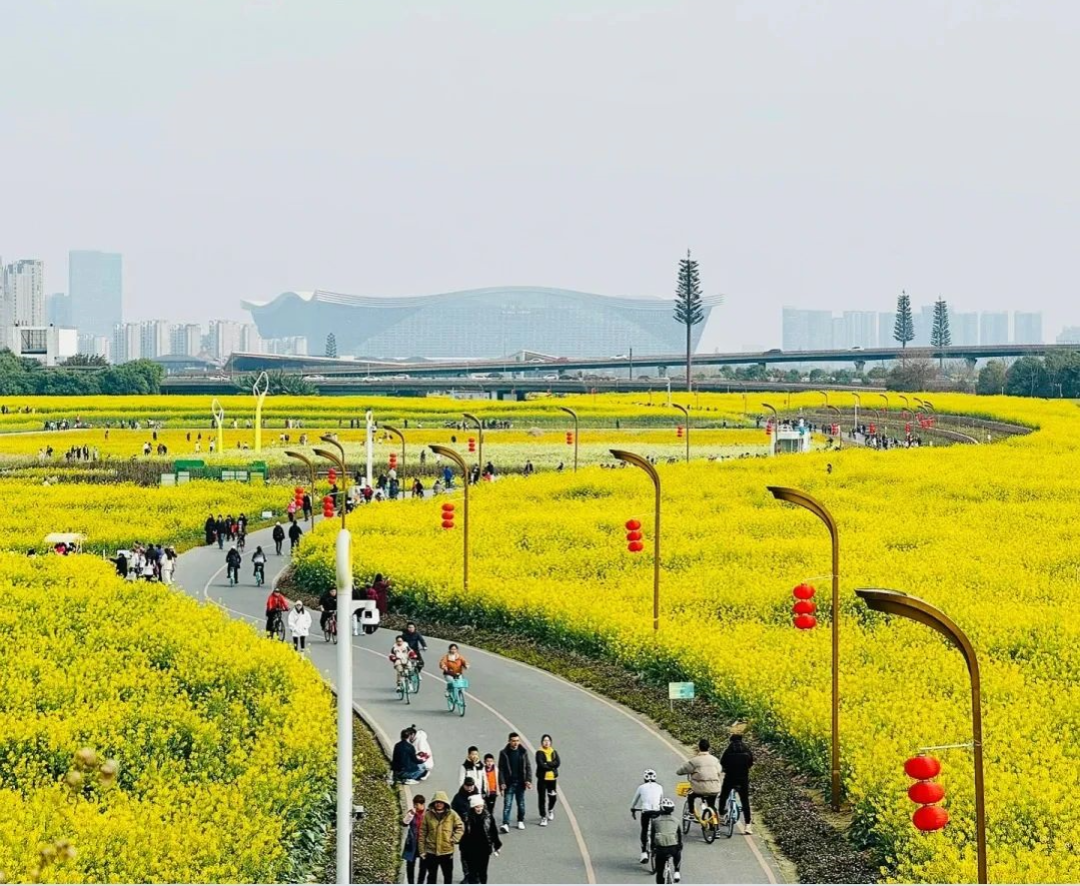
(650, 775)
(667, 805)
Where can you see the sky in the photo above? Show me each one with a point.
(814, 154)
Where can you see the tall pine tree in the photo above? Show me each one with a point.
(331, 345)
(904, 330)
(940, 337)
(688, 307)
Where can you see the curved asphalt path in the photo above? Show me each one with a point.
(604, 747)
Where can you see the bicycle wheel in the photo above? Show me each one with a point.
(406, 689)
(669, 870)
(733, 813)
(414, 682)
(280, 629)
(687, 817)
(709, 825)
(451, 702)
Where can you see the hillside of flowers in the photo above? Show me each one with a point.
(989, 533)
(207, 774)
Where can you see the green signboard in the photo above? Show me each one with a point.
(680, 690)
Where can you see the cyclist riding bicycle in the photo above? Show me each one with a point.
(328, 604)
(276, 605)
(259, 561)
(647, 802)
(667, 840)
(736, 761)
(452, 665)
(232, 564)
(705, 776)
(400, 657)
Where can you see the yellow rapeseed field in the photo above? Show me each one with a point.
(989, 533)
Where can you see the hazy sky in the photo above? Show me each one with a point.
(817, 154)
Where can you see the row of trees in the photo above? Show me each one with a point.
(78, 376)
(1055, 375)
(904, 329)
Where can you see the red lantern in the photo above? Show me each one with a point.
(805, 622)
(930, 818)
(634, 535)
(569, 438)
(393, 459)
(804, 591)
(298, 491)
(922, 767)
(768, 429)
(331, 475)
(633, 525)
(447, 524)
(679, 431)
(804, 607)
(635, 546)
(328, 506)
(835, 429)
(907, 428)
(472, 444)
(448, 506)
(926, 793)
(873, 428)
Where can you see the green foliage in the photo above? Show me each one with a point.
(904, 330)
(26, 376)
(940, 337)
(331, 345)
(991, 378)
(281, 384)
(911, 375)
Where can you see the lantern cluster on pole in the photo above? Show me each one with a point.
(448, 515)
(926, 792)
(768, 428)
(569, 438)
(679, 431)
(331, 475)
(633, 536)
(804, 607)
(907, 428)
(393, 461)
(873, 429)
(328, 506)
(834, 430)
(297, 504)
(472, 444)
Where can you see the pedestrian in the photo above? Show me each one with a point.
(473, 767)
(219, 532)
(489, 786)
(168, 564)
(736, 762)
(410, 853)
(441, 830)
(547, 775)
(515, 778)
(294, 536)
(423, 749)
(479, 841)
(299, 625)
(381, 587)
(307, 506)
(278, 535)
(210, 528)
(404, 764)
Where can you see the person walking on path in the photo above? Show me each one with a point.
(294, 536)
(479, 841)
(515, 778)
(460, 805)
(210, 529)
(473, 767)
(278, 535)
(547, 775)
(705, 776)
(489, 785)
(441, 830)
(299, 626)
(736, 762)
(410, 852)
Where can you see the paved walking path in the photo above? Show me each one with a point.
(604, 747)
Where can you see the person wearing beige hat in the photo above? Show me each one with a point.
(736, 762)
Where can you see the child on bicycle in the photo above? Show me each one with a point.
(647, 802)
(667, 840)
(258, 559)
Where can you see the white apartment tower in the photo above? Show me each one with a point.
(23, 290)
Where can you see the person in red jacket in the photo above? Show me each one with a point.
(276, 606)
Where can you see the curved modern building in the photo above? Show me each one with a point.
(477, 323)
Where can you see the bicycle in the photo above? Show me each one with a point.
(734, 811)
(234, 575)
(330, 627)
(650, 850)
(707, 817)
(277, 625)
(413, 676)
(403, 685)
(669, 870)
(240, 542)
(259, 576)
(455, 695)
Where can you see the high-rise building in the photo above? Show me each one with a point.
(1070, 335)
(154, 339)
(186, 339)
(840, 334)
(95, 346)
(23, 290)
(964, 328)
(126, 342)
(295, 346)
(994, 328)
(59, 310)
(860, 329)
(807, 330)
(1027, 328)
(250, 342)
(224, 338)
(96, 288)
(885, 327)
(924, 326)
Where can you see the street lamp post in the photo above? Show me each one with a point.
(648, 468)
(460, 462)
(344, 811)
(260, 389)
(369, 444)
(299, 456)
(839, 427)
(776, 428)
(219, 419)
(858, 403)
(824, 394)
(897, 603)
(797, 497)
(480, 438)
(686, 412)
(401, 437)
(574, 416)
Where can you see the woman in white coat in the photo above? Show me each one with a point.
(299, 626)
(423, 749)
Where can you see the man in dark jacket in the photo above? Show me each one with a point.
(278, 535)
(479, 842)
(515, 778)
(210, 528)
(294, 535)
(736, 762)
(405, 764)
